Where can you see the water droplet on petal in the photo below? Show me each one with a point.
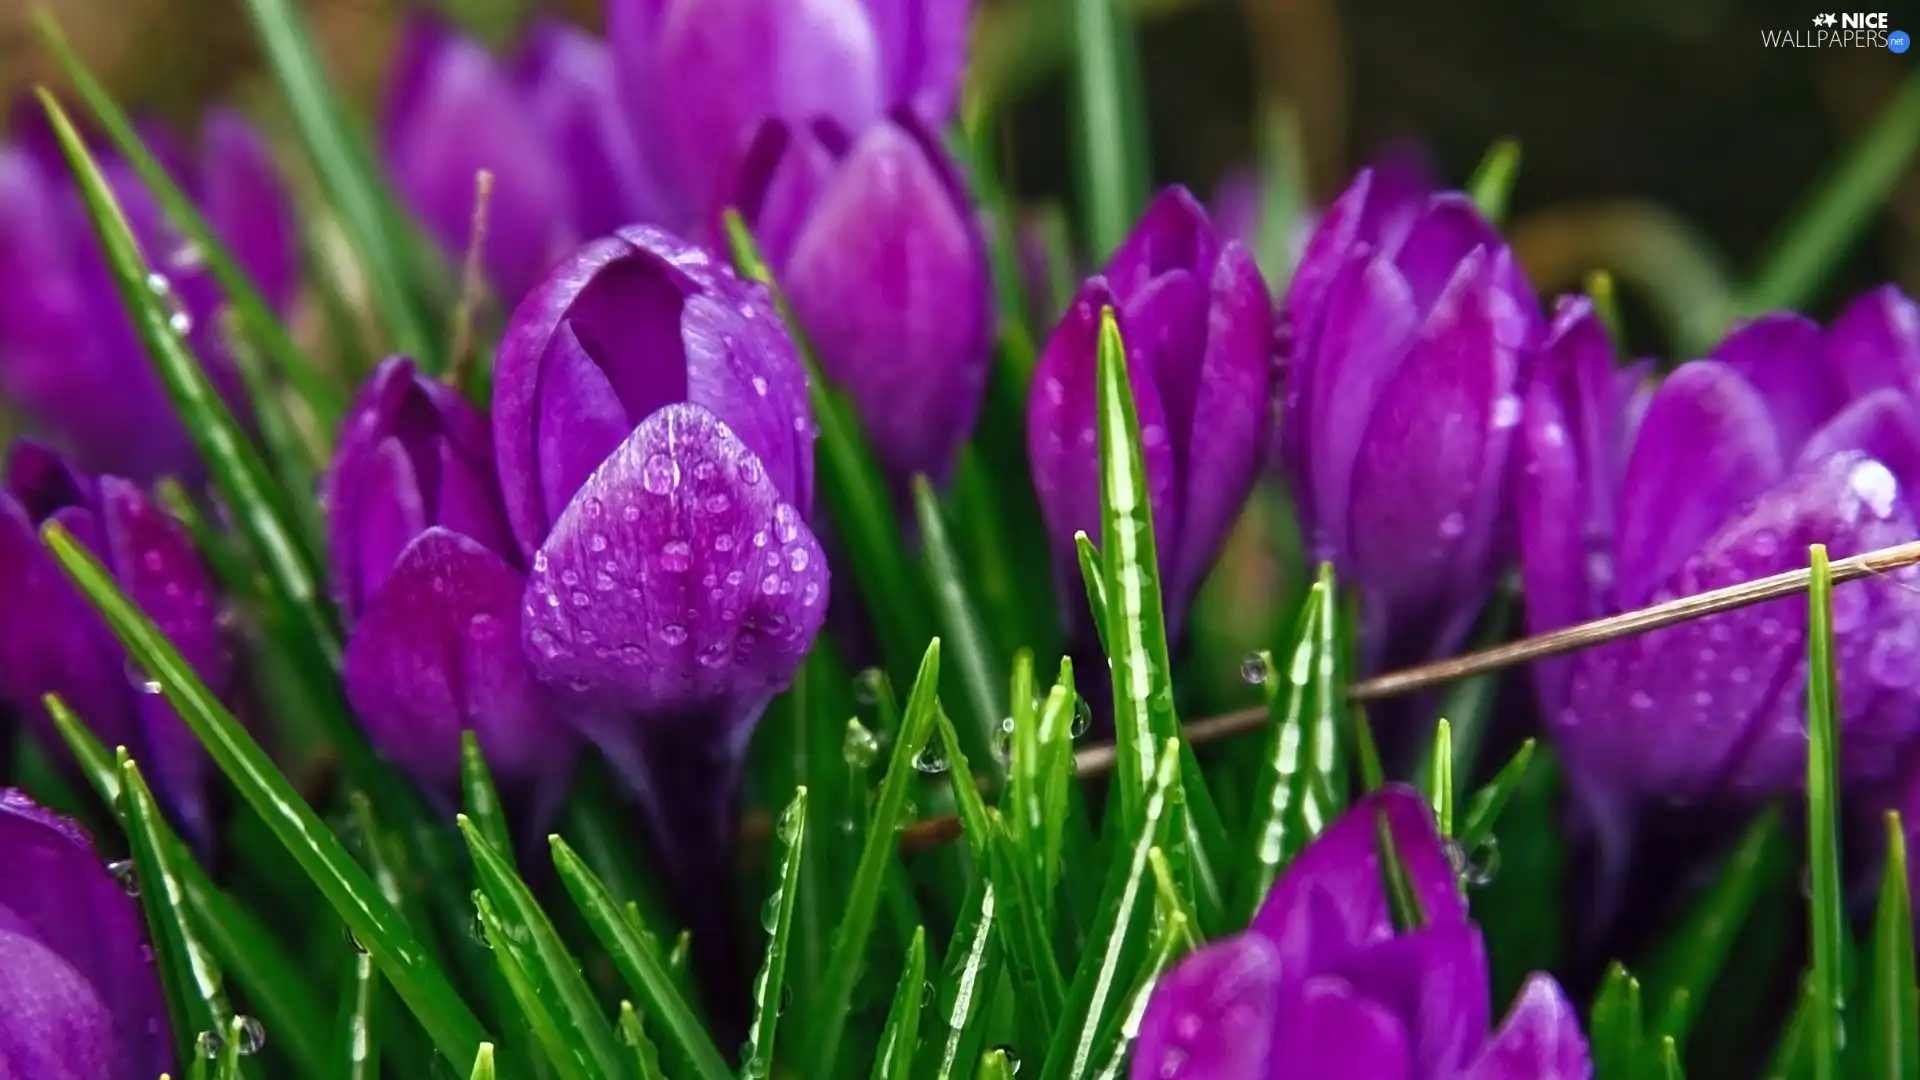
(723, 543)
(598, 543)
(673, 634)
(1453, 526)
(770, 584)
(659, 474)
(676, 556)
(718, 503)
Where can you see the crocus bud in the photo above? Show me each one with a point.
(1404, 177)
(1198, 329)
(1323, 984)
(52, 641)
(80, 996)
(701, 76)
(882, 257)
(430, 580)
(650, 416)
(69, 357)
(1401, 405)
(547, 124)
(1782, 438)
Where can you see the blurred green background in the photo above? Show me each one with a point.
(1661, 139)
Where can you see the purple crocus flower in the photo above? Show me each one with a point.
(1198, 327)
(882, 257)
(52, 641)
(81, 997)
(1322, 984)
(1783, 437)
(430, 580)
(700, 76)
(1404, 177)
(650, 417)
(69, 360)
(1401, 407)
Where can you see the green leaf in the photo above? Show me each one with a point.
(1793, 1054)
(1111, 163)
(1440, 776)
(1670, 1059)
(539, 1019)
(585, 1048)
(198, 998)
(646, 1057)
(1283, 192)
(1109, 963)
(1093, 572)
(605, 835)
(997, 1065)
(902, 1033)
(1483, 810)
(1398, 884)
(1173, 904)
(240, 1037)
(1808, 248)
(1175, 936)
(356, 1038)
(1616, 1033)
(1828, 929)
(982, 675)
(1029, 948)
(483, 1063)
(1492, 183)
(640, 965)
(973, 966)
(1606, 304)
(771, 983)
(481, 798)
(1892, 1040)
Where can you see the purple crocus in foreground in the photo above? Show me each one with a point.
(430, 581)
(69, 359)
(700, 77)
(882, 257)
(80, 997)
(548, 125)
(1401, 408)
(52, 641)
(1322, 984)
(650, 418)
(1783, 437)
(1198, 328)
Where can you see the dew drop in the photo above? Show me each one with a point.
(209, 1044)
(659, 474)
(770, 584)
(1082, 717)
(1003, 741)
(811, 595)
(1476, 868)
(482, 627)
(718, 503)
(1640, 700)
(253, 1035)
(866, 687)
(930, 759)
(723, 543)
(760, 386)
(786, 524)
(713, 656)
(770, 911)
(735, 577)
(125, 875)
(1253, 668)
(540, 562)
(595, 508)
(1453, 526)
(598, 543)
(1506, 411)
(672, 633)
(154, 561)
(1013, 1059)
(788, 827)
(139, 679)
(581, 599)
(861, 747)
(676, 556)
(750, 470)
(797, 559)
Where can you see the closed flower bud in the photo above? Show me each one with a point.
(79, 994)
(882, 257)
(53, 642)
(430, 580)
(1323, 984)
(1401, 408)
(1198, 329)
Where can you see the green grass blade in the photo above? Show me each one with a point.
(1028, 946)
(241, 1036)
(1173, 904)
(1616, 1032)
(198, 1000)
(295, 465)
(1440, 776)
(1112, 133)
(1404, 902)
(1491, 186)
(1892, 1043)
(646, 1056)
(982, 675)
(640, 965)
(902, 1034)
(973, 966)
(1105, 968)
(1793, 1054)
(483, 1063)
(1828, 929)
(356, 1037)
(596, 822)
(829, 1019)
(1093, 572)
(1171, 941)
(587, 1049)
(546, 1028)
(1283, 812)
(1670, 1059)
(371, 222)
(1483, 810)
(481, 799)
(996, 1064)
(771, 983)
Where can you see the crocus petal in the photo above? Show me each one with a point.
(1539, 1040)
(1446, 231)
(1327, 1030)
(1213, 1016)
(1883, 425)
(44, 481)
(568, 81)
(1875, 343)
(1781, 356)
(782, 178)
(923, 47)
(1435, 980)
(55, 1026)
(247, 205)
(1172, 234)
(1322, 260)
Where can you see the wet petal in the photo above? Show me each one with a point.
(1324, 258)
(1782, 357)
(1446, 231)
(1434, 980)
(1875, 343)
(1213, 1016)
(1883, 425)
(1539, 1040)
(785, 171)
(566, 76)
(1326, 1029)
(923, 49)
(249, 209)
(1172, 234)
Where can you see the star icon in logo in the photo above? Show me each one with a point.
(1824, 20)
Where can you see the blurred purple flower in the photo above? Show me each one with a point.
(1323, 985)
(1198, 327)
(52, 641)
(1783, 437)
(1408, 326)
(700, 76)
(882, 257)
(431, 582)
(80, 997)
(650, 417)
(547, 123)
(69, 357)
(1404, 176)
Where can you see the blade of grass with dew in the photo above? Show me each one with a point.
(1110, 165)
(902, 1033)
(1170, 941)
(373, 224)
(1093, 573)
(1793, 1053)
(356, 1036)
(607, 843)
(405, 962)
(641, 967)
(996, 519)
(851, 483)
(1440, 776)
(1491, 186)
(1616, 1031)
(1142, 669)
(1037, 804)
(239, 1038)
(1029, 945)
(1124, 909)
(198, 1001)
(997, 1065)
(982, 675)
(481, 799)
(483, 1063)
(274, 982)
(1483, 810)
(294, 463)
(771, 983)
(1173, 905)
(1891, 1046)
(1670, 1059)
(646, 1056)
(384, 863)
(1828, 929)
(545, 1027)
(1811, 244)
(973, 966)
(1680, 977)
(587, 1048)
(320, 393)
(829, 1020)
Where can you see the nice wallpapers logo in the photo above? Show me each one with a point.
(1845, 30)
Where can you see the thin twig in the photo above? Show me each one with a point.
(472, 284)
